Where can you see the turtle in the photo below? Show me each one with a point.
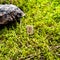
(10, 13)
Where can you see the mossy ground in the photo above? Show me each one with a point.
(44, 15)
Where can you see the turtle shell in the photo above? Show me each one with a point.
(9, 12)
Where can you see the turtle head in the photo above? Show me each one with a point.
(20, 13)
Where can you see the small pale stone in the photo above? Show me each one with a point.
(29, 29)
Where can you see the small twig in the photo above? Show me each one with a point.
(58, 54)
(56, 47)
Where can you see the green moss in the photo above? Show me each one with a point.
(44, 15)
